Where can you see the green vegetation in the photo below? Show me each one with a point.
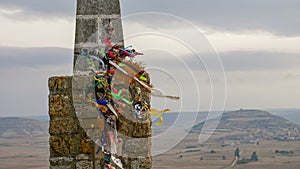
(191, 151)
(282, 152)
(237, 153)
(190, 147)
(253, 158)
(243, 161)
(223, 157)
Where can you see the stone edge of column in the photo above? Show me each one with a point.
(68, 144)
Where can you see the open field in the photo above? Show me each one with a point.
(33, 152)
(24, 152)
(201, 156)
(236, 129)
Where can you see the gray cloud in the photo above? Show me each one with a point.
(258, 60)
(292, 75)
(276, 16)
(25, 73)
(12, 57)
(232, 61)
(32, 9)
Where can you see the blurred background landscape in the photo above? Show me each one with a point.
(273, 134)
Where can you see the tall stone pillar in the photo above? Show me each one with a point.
(92, 18)
(73, 121)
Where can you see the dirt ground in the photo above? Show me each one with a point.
(201, 157)
(33, 153)
(24, 152)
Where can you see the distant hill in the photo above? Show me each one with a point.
(42, 118)
(11, 127)
(289, 114)
(254, 124)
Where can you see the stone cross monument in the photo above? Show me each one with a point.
(74, 127)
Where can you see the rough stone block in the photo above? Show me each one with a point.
(92, 47)
(62, 167)
(145, 163)
(86, 146)
(118, 31)
(79, 98)
(61, 84)
(86, 30)
(89, 123)
(61, 161)
(82, 157)
(61, 105)
(136, 147)
(84, 165)
(64, 146)
(98, 7)
(64, 125)
(81, 82)
(99, 163)
(134, 129)
(94, 133)
(141, 130)
(81, 64)
(87, 112)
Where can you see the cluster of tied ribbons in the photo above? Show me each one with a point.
(108, 100)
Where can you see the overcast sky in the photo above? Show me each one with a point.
(257, 42)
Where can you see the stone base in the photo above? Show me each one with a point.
(70, 147)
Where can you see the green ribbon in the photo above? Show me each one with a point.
(119, 97)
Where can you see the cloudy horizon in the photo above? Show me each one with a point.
(257, 43)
